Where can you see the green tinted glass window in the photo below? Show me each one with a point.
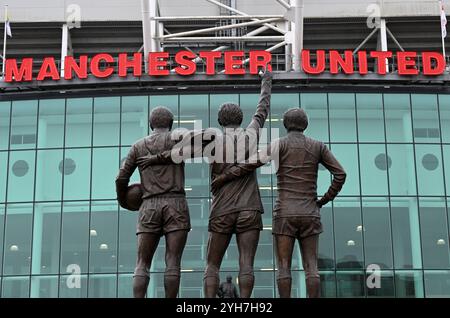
(106, 121)
(79, 122)
(51, 123)
(105, 165)
(430, 175)
(402, 173)
(316, 106)
(21, 176)
(23, 124)
(444, 111)
(77, 181)
(346, 155)
(5, 109)
(425, 118)
(342, 117)
(397, 108)
(374, 166)
(370, 117)
(49, 169)
(134, 119)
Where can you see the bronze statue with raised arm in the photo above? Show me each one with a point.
(236, 208)
(296, 215)
(164, 210)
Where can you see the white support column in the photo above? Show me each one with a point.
(66, 46)
(297, 28)
(149, 28)
(383, 41)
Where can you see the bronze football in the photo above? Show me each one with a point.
(134, 197)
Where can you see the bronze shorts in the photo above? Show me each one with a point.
(237, 222)
(161, 215)
(297, 226)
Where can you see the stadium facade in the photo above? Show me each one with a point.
(381, 103)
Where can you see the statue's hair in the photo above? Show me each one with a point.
(230, 114)
(161, 117)
(295, 119)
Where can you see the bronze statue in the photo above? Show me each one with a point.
(228, 289)
(236, 207)
(297, 210)
(164, 209)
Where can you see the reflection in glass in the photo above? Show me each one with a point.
(134, 119)
(370, 117)
(373, 178)
(77, 185)
(397, 109)
(102, 286)
(21, 176)
(106, 121)
(430, 175)
(79, 122)
(437, 284)
(105, 166)
(342, 117)
(409, 284)
(47, 172)
(23, 124)
(402, 174)
(51, 123)
(15, 287)
(346, 155)
(44, 287)
(425, 118)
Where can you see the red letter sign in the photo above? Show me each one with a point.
(135, 63)
(306, 62)
(95, 67)
(405, 60)
(25, 74)
(381, 57)
(186, 65)
(70, 66)
(48, 69)
(232, 65)
(156, 62)
(336, 60)
(428, 68)
(260, 59)
(210, 58)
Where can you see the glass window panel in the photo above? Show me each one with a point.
(326, 244)
(16, 287)
(79, 122)
(156, 285)
(434, 233)
(263, 284)
(425, 118)
(342, 117)
(350, 284)
(135, 178)
(68, 288)
(3, 176)
(397, 110)
(75, 236)
(125, 286)
(49, 166)
(103, 246)
(444, 111)
(194, 115)
(216, 100)
(370, 117)
(106, 121)
(51, 123)
(316, 106)
(127, 242)
(21, 176)
(44, 287)
(77, 183)
(327, 284)
(105, 166)
(437, 284)
(46, 238)
(374, 165)
(5, 109)
(17, 245)
(348, 241)
(102, 286)
(430, 175)
(2, 227)
(23, 124)
(279, 104)
(409, 284)
(406, 233)
(168, 101)
(248, 103)
(446, 152)
(377, 232)
(194, 255)
(191, 285)
(134, 119)
(402, 173)
(386, 288)
(347, 155)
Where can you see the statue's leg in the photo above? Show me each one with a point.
(309, 247)
(284, 246)
(175, 243)
(217, 246)
(147, 244)
(247, 243)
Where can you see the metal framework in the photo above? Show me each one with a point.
(288, 28)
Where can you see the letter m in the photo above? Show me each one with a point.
(16, 74)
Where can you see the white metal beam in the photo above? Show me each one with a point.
(284, 4)
(297, 28)
(220, 28)
(244, 14)
(383, 41)
(226, 39)
(65, 44)
(216, 17)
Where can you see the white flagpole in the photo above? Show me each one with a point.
(4, 43)
(441, 12)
